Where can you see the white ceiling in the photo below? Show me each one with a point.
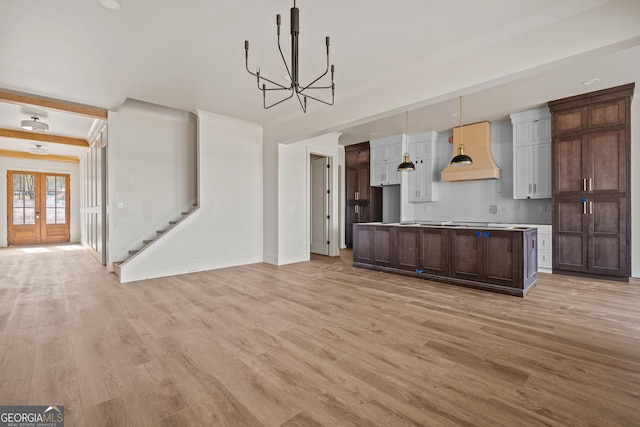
(418, 55)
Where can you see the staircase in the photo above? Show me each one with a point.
(146, 243)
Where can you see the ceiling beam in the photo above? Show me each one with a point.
(48, 157)
(83, 110)
(44, 137)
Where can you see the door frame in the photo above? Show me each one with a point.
(334, 220)
(40, 191)
(320, 213)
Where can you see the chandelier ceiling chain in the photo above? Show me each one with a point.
(266, 85)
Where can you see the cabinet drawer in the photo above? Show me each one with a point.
(544, 230)
(544, 242)
(544, 258)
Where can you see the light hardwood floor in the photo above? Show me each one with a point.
(310, 344)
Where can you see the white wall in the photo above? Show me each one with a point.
(294, 197)
(226, 230)
(470, 201)
(28, 165)
(151, 172)
(270, 202)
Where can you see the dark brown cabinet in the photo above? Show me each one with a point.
(363, 203)
(591, 182)
(594, 163)
(497, 260)
(435, 251)
(493, 256)
(597, 228)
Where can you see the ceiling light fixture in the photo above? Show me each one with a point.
(461, 159)
(406, 165)
(590, 82)
(34, 125)
(265, 85)
(110, 4)
(38, 150)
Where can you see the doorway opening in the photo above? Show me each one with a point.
(38, 208)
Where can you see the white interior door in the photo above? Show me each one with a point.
(319, 205)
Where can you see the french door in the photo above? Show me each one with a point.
(38, 208)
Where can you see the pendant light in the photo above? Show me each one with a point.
(461, 159)
(406, 165)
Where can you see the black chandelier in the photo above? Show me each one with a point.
(267, 85)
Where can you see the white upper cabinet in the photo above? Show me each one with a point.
(532, 154)
(422, 187)
(386, 155)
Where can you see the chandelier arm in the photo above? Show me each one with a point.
(320, 100)
(309, 85)
(284, 60)
(268, 89)
(316, 87)
(264, 100)
(302, 105)
(259, 77)
(279, 86)
(323, 74)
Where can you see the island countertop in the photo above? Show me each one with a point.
(450, 224)
(478, 255)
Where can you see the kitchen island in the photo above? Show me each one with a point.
(498, 259)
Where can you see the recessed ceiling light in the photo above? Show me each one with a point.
(110, 4)
(590, 82)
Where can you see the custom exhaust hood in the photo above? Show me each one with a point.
(477, 144)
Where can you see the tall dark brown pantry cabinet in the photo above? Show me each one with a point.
(363, 203)
(591, 183)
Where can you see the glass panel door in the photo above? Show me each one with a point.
(24, 216)
(38, 208)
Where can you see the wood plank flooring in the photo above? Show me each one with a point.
(312, 344)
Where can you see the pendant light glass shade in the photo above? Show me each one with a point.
(406, 165)
(461, 159)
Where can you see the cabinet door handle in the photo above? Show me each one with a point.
(529, 188)
(357, 195)
(584, 207)
(535, 188)
(590, 208)
(590, 184)
(356, 210)
(584, 184)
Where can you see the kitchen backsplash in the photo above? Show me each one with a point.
(484, 200)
